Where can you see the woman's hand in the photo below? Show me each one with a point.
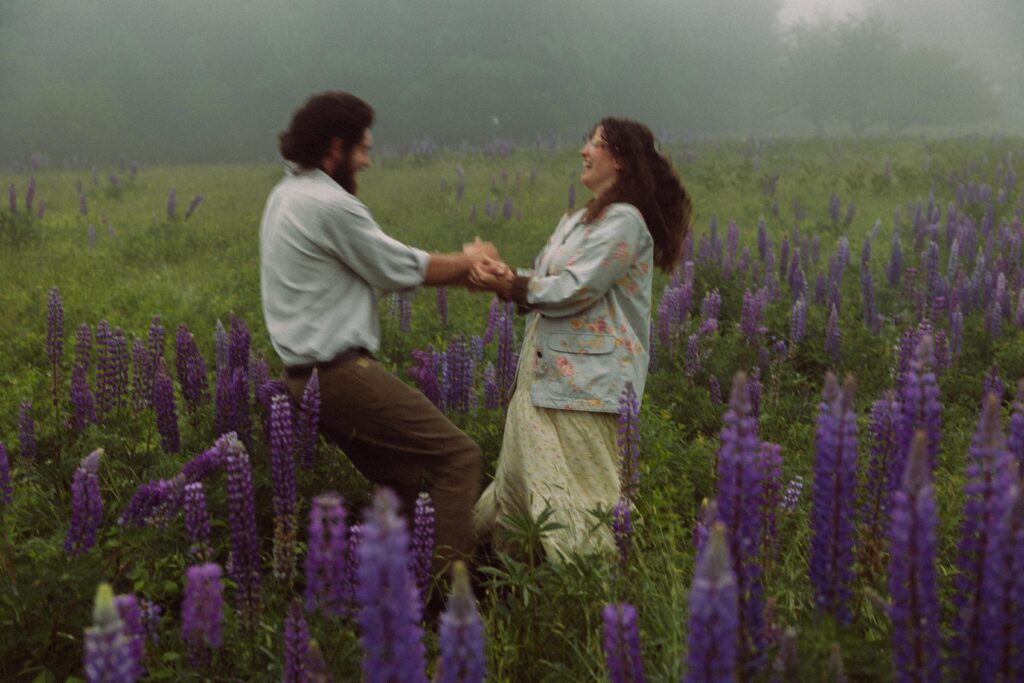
(492, 275)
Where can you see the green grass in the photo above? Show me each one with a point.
(543, 623)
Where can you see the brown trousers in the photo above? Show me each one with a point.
(397, 438)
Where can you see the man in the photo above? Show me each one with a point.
(321, 257)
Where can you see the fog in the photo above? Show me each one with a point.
(194, 80)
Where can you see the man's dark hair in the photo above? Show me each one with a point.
(324, 116)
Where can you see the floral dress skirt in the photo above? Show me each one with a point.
(563, 459)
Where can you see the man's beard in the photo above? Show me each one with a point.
(344, 176)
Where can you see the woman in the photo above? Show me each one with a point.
(586, 337)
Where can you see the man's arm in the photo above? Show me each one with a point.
(453, 269)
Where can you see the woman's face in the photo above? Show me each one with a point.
(600, 169)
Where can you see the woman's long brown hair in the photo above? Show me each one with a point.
(648, 181)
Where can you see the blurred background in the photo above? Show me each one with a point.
(194, 81)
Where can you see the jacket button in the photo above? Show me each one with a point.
(539, 354)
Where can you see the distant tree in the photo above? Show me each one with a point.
(859, 72)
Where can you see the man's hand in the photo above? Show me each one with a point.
(478, 248)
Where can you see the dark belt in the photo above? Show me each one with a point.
(298, 371)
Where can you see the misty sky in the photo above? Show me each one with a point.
(810, 10)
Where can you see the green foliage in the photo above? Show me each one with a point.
(543, 619)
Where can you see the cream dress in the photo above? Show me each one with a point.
(563, 459)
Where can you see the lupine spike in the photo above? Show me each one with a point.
(622, 529)
(5, 477)
(197, 521)
(912, 577)
(296, 646)
(834, 499)
(622, 644)
(111, 652)
(86, 505)
(326, 587)
(461, 635)
(310, 412)
(714, 629)
(629, 442)
(245, 560)
(390, 608)
(201, 612)
(282, 465)
(166, 412)
(423, 544)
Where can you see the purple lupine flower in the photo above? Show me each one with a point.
(691, 361)
(715, 390)
(111, 369)
(751, 320)
(142, 378)
(622, 529)
(172, 204)
(740, 496)
(986, 461)
(992, 383)
(5, 476)
(86, 505)
(166, 413)
(390, 609)
(239, 343)
(245, 559)
(84, 408)
(919, 401)
(221, 344)
(798, 321)
(282, 467)
(794, 491)
(423, 544)
(494, 314)
(201, 610)
(27, 431)
(881, 478)
(442, 304)
(833, 336)
(327, 589)
(629, 442)
(192, 206)
(296, 646)
(833, 500)
(461, 635)
(128, 609)
(224, 419)
(507, 359)
(715, 634)
(55, 342)
(895, 267)
(1015, 435)
(492, 400)
(191, 369)
(705, 520)
(769, 463)
(1003, 591)
(622, 644)
(424, 372)
(915, 610)
(238, 393)
(197, 521)
(309, 419)
(83, 346)
(112, 653)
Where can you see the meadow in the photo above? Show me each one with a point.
(115, 252)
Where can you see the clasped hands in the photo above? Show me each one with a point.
(487, 271)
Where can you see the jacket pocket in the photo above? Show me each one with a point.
(590, 344)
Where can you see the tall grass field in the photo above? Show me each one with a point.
(838, 297)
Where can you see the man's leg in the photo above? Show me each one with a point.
(396, 437)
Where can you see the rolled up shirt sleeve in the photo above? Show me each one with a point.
(356, 240)
(605, 257)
